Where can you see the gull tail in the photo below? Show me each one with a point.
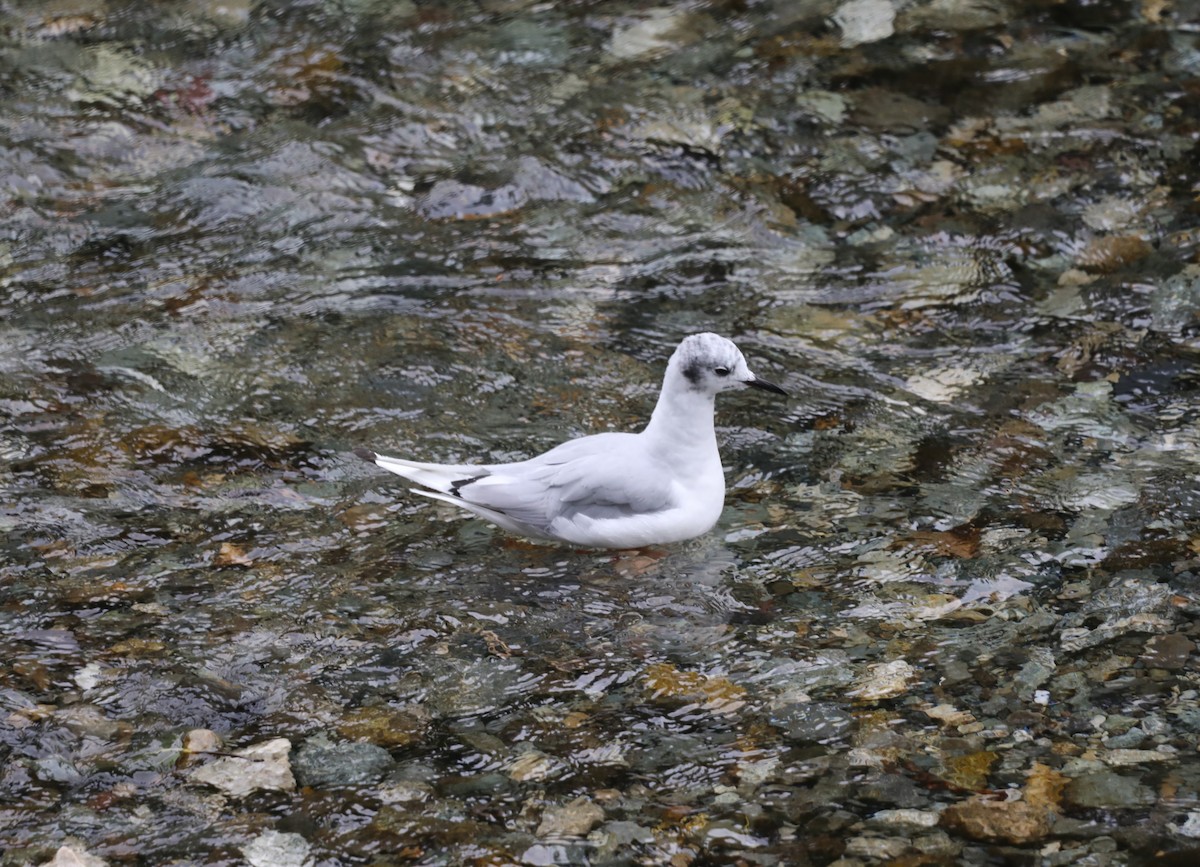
(444, 482)
(446, 478)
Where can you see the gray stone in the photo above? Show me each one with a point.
(74, 856)
(555, 855)
(275, 849)
(88, 721)
(907, 821)
(321, 763)
(1116, 724)
(1032, 675)
(893, 789)
(1108, 790)
(1175, 304)
(1189, 718)
(490, 784)
(1131, 739)
(863, 21)
(877, 848)
(815, 722)
(618, 837)
(260, 766)
(575, 819)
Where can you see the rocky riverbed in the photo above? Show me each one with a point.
(949, 615)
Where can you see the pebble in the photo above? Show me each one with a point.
(863, 21)
(991, 821)
(405, 791)
(321, 763)
(893, 789)
(877, 848)
(1120, 757)
(1034, 673)
(1130, 739)
(619, 837)
(88, 720)
(815, 722)
(383, 726)
(948, 715)
(937, 845)
(884, 680)
(1108, 790)
(260, 766)
(74, 856)
(659, 31)
(275, 849)
(751, 775)
(554, 855)
(575, 819)
(1168, 651)
(906, 820)
(1174, 303)
(89, 677)
(732, 835)
(1190, 826)
(533, 766)
(202, 741)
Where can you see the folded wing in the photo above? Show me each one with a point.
(594, 478)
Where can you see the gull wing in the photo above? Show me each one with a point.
(598, 477)
(440, 477)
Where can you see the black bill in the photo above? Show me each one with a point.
(757, 382)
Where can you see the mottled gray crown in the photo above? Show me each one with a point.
(705, 352)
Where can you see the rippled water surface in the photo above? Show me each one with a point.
(949, 614)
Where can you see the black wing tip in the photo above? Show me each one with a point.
(455, 487)
(366, 454)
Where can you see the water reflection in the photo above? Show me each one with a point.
(241, 239)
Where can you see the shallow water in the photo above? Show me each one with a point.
(948, 615)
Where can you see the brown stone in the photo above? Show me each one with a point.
(1168, 651)
(383, 726)
(575, 819)
(1015, 822)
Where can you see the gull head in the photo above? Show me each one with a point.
(709, 363)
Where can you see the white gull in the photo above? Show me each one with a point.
(611, 490)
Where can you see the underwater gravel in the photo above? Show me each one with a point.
(949, 615)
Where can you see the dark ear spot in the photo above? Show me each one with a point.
(692, 372)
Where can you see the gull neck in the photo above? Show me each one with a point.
(683, 417)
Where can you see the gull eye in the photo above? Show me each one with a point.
(721, 371)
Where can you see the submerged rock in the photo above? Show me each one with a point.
(89, 720)
(384, 726)
(1016, 822)
(658, 31)
(884, 680)
(813, 722)
(619, 838)
(260, 766)
(322, 763)
(863, 21)
(877, 849)
(575, 819)
(1168, 651)
(275, 849)
(1175, 305)
(1108, 790)
(532, 766)
(75, 856)
(202, 741)
(197, 745)
(908, 821)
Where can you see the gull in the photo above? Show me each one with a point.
(611, 490)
